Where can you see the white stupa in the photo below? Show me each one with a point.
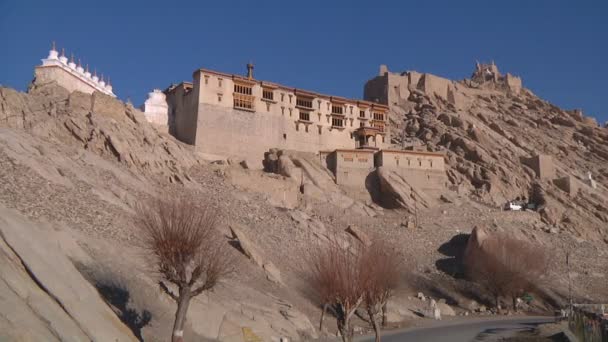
(72, 65)
(63, 59)
(79, 68)
(57, 61)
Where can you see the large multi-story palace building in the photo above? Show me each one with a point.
(234, 115)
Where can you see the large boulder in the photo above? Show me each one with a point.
(396, 192)
(358, 234)
(476, 240)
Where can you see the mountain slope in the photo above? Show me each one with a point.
(490, 129)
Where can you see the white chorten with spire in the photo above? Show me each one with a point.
(71, 76)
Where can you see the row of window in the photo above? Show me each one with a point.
(409, 162)
(335, 122)
(303, 102)
(247, 102)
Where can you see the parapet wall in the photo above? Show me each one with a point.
(424, 170)
(394, 88)
(351, 167)
(434, 85)
(513, 83)
(568, 184)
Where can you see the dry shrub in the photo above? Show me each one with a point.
(344, 279)
(382, 270)
(506, 267)
(187, 250)
(335, 278)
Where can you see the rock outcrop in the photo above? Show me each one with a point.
(45, 297)
(397, 192)
(251, 251)
(98, 123)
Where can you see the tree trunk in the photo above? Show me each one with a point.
(322, 317)
(347, 334)
(374, 321)
(180, 315)
(496, 302)
(384, 310)
(514, 298)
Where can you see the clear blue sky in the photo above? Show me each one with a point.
(560, 48)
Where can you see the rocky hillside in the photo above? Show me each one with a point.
(72, 167)
(486, 128)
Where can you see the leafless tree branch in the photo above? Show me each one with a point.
(180, 236)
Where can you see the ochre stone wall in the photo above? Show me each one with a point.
(394, 88)
(376, 89)
(398, 89)
(513, 83)
(424, 170)
(183, 113)
(542, 165)
(432, 84)
(568, 184)
(247, 135)
(352, 167)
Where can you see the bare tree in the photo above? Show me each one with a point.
(380, 276)
(506, 266)
(186, 249)
(335, 277)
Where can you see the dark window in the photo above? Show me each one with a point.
(267, 94)
(304, 102)
(337, 122)
(241, 89)
(304, 116)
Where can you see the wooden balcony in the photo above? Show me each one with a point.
(379, 125)
(244, 102)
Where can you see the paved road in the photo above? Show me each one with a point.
(462, 330)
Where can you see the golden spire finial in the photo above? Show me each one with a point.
(53, 46)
